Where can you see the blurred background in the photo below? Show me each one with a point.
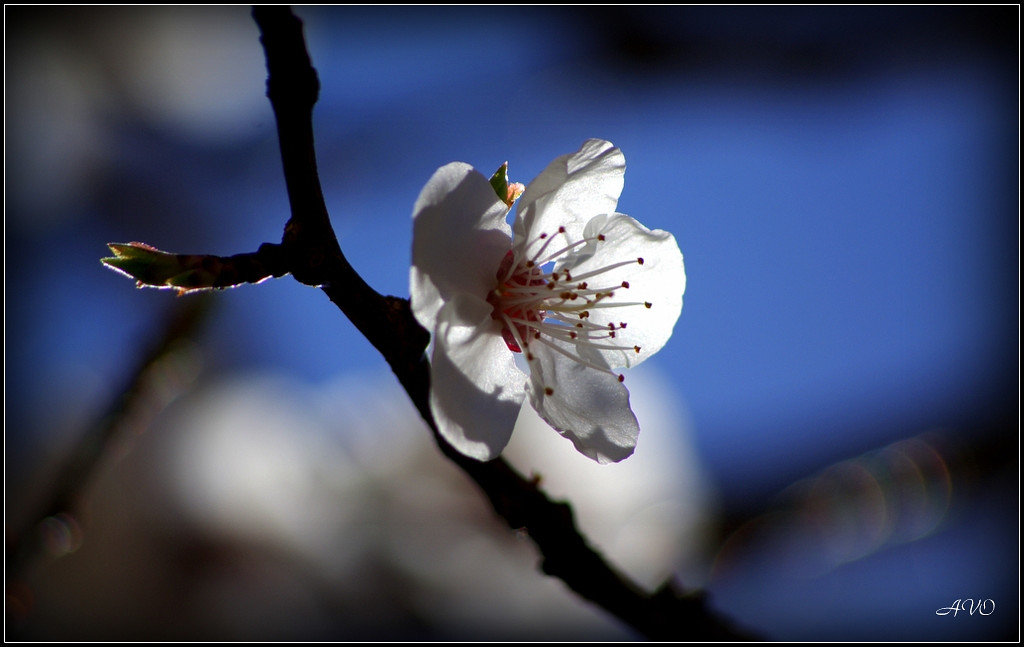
(829, 441)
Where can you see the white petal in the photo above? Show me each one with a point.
(589, 407)
(459, 239)
(476, 389)
(570, 191)
(660, 281)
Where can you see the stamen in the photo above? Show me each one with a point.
(553, 307)
(540, 251)
(553, 255)
(579, 359)
(617, 304)
(605, 269)
(509, 326)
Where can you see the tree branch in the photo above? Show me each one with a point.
(135, 403)
(315, 258)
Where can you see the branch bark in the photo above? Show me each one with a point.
(315, 258)
(134, 404)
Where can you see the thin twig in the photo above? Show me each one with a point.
(131, 401)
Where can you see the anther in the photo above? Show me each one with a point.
(640, 261)
(549, 391)
(600, 236)
(561, 230)
(625, 284)
(647, 304)
(636, 348)
(622, 378)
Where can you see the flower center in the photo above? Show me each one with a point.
(536, 305)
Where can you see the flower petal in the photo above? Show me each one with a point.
(570, 191)
(457, 216)
(660, 281)
(587, 406)
(476, 389)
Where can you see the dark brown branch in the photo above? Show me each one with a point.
(387, 322)
(135, 402)
(293, 88)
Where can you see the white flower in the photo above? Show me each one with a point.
(579, 292)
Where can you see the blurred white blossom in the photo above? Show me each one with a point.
(259, 508)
